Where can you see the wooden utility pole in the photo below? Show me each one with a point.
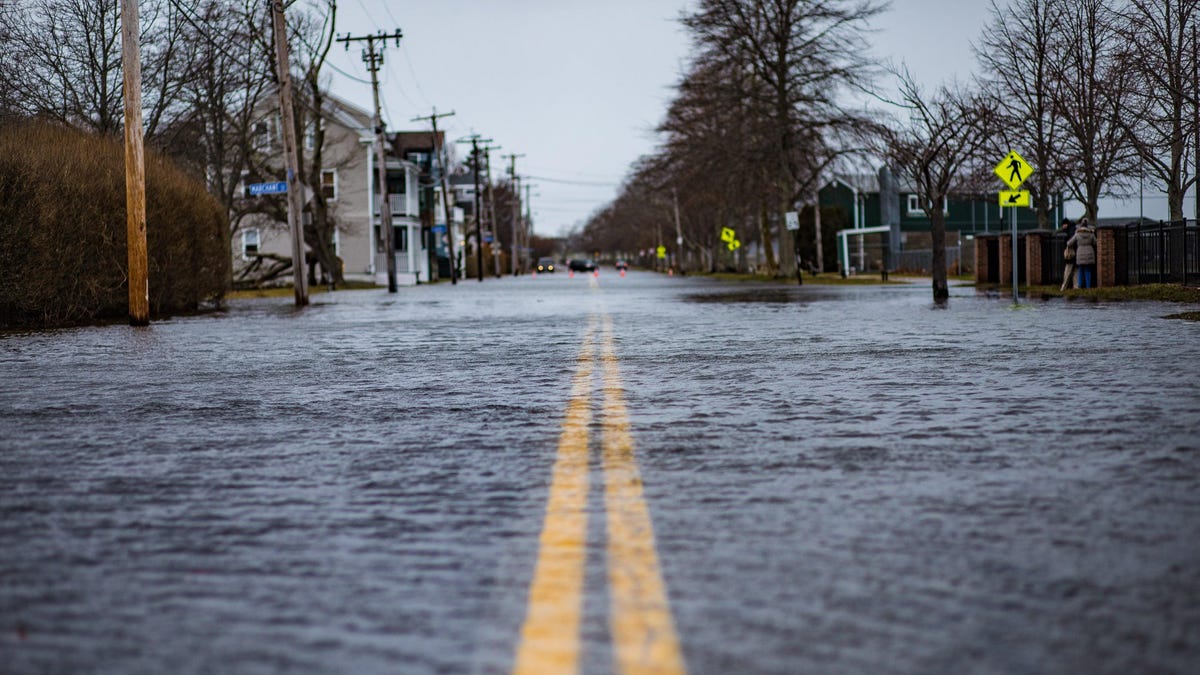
(491, 197)
(135, 168)
(448, 207)
(374, 59)
(516, 208)
(527, 222)
(474, 140)
(291, 153)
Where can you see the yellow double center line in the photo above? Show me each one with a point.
(644, 639)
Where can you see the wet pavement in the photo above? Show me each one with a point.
(841, 479)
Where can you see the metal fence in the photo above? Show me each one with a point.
(1053, 263)
(1159, 253)
(958, 260)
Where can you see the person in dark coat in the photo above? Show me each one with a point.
(1084, 242)
(1068, 229)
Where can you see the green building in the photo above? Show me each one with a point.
(890, 229)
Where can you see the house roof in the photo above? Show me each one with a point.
(868, 183)
(862, 182)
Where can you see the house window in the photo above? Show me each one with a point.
(329, 184)
(401, 243)
(241, 186)
(914, 206)
(249, 243)
(310, 137)
(262, 135)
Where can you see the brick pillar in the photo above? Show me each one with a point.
(1106, 257)
(1006, 261)
(1033, 256)
(981, 270)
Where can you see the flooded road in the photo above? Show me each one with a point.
(839, 479)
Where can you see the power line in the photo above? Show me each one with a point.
(578, 182)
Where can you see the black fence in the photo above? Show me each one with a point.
(1053, 263)
(1159, 253)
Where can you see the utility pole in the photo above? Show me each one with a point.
(527, 226)
(437, 150)
(291, 153)
(474, 140)
(374, 59)
(491, 197)
(516, 208)
(135, 168)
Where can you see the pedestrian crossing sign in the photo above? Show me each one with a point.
(1013, 170)
(662, 252)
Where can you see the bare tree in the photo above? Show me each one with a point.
(935, 148)
(803, 54)
(1019, 49)
(314, 34)
(1093, 81)
(223, 97)
(63, 62)
(1162, 58)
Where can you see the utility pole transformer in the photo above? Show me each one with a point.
(291, 153)
(448, 207)
(135, 168)
(374, 59)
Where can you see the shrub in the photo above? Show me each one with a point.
(63, 253)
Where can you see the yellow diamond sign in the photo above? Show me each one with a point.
(1013, 170)
(1009, 199)
(661, 251)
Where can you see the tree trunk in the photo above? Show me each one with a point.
(764, 227)
(937, 229)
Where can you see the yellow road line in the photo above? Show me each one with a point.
(550, 635)
(644, 639)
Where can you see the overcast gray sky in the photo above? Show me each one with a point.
(578, 86)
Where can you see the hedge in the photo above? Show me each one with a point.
(63, 256)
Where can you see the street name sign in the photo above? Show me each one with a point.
(1011, 198)
(1013, 170)
(267, 188)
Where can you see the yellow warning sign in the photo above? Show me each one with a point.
(1014, 198)
(662, 252)
(1013, 170)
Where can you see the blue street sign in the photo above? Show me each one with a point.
(267, 188)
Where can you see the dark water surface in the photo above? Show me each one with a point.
(841, 480)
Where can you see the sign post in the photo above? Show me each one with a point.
(1013, 170)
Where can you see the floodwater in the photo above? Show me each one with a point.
(841, 479)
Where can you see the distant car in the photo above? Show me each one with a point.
(545, 264)
(622, 265)
(581, 265)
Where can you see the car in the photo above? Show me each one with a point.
(622, 265)
(545, 265)
(581, 265)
